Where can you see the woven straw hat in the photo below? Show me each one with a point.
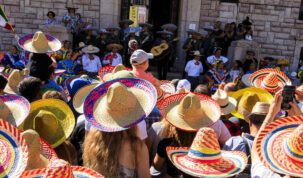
(166, 89)
(39, 151)
(110, 46)
(90, 49)
(61, 168)
(227, 104)
(190, 111)
(247, 98)
(52, 119)
(282, 62)
(245, 80)
(113, 72)
(205, 158)
(79, 97)
(171, 26)
(280, 146)
(119, 104)
(260, 108)
(269, 79)
(14, 109)
(14, 152)
(13, 81)
(39, 43)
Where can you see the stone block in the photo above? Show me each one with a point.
(259, 28)
(29, 10)
(278, 41)
(47, 5)
(10, 2)
(275, 29)
(35, 4)
(287, 53)
(27, 31)
(282, 35)
(262, 34)
(204, 13)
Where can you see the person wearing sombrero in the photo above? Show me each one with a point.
(217, 75)
(146, 37)
(105, 108)
(194, 69)
(71, 20)
(130, 35)
(113, 37)
(124, 24)
(88, 36)
(102, 41)
(282, 65)
(91, 62)
(210, 40)
(113, 58)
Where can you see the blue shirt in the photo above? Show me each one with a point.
(12, 61)
(48, 22)
(237, 143)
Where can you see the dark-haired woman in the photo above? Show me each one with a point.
(51, 20)
(12, 59)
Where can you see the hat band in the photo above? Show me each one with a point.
(202, 159)
(267, 86)
(224, 106)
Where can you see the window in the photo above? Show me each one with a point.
(230, 1)
(301, 11)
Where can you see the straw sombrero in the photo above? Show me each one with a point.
(247, 98)
(205, 158)
(14, 109)
(14, 152)
(227, 104)
(280, 146)
(13, 81)
(61, 168)
(79, 97)
(260, 108)
(39, 43)
(52, 119)
(299, 90)
(269, 79)
(119, 104)
(190, 111)
(90, 49)
(108, 72)
(110, 46)
(282, 62)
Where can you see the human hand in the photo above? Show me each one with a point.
(294, 110)
(275, 106)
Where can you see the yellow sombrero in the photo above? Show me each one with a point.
(247, 98)
(52, 119)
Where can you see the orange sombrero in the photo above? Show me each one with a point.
(205, 158)
(280, 146)
(269, 79)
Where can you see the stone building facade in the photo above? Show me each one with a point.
(276, 23)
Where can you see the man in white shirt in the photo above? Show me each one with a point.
(91, 62)
(193, 69)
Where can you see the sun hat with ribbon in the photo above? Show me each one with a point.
(14, 109)
(119, 104)
(247, 98)
(227, 104)
(90, 49)
(13, 81)
(205, 158)
(260, 108)
(14, 152)
(280, 146)
(52, 119)
(81, 94)
(112, 45)
(269, 79)
(61, 168)
(108, 72)
(39, 43)
(190, 111)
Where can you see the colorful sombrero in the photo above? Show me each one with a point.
(39, 43)
(14, 152)
(18, 109)
(167, 88)
(205, 158)
(104, 71)
(299, 90)
(52, 119)
(119, 104)
(280, 146)
(282, 62)
(61, 168)
(59, 72)
(269, 79)
(190, 111)
(247, 98)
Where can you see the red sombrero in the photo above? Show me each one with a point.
(205, 158)
(110, 69)
(269, 79)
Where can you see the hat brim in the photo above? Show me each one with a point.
(168, 107)
(106, 70)
(265, 96)
(270, 143)
(59, 72)
(129, 22)
(257, 78)
(299, 92)
(13, 144)
(110, 46)
(95, 50)
(167, 89)
(64, 115)
(26, 43)
(232, 104)
(245, 80)
(147, 97)
(81, 94)
(169, 26)
(232, 163)
(163, 32)
(145, 24)
(18, 106)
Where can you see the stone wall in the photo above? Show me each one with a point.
(275, 23)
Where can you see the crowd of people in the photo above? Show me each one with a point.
(93, 110)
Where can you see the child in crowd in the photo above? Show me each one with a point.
(70, 66)
(66, 48)
(12, 59)
(236, 71)
(193, 69)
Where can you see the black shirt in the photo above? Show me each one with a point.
(39, 66)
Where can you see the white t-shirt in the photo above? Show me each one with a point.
(91, 65)
(212, 59)
(117, 60)
(192, 69)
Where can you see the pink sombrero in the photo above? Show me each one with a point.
(205, 158)
(190, 111)
(61, 168)
(110, 69)
(14, 152)
(269, 79)
(280, 146)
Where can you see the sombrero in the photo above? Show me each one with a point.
(171, 26)
(299, 90)
(280, 146)
(114, 27)
(14, 152)
(73, 85)
(52, 119)
(205, 158)
(13, 81)
(106, 73)
(61, 168)
(190, 111)
(90, 49)
(81, 94)
(128, 21)
(145, 24)
(39, 43)
(14, 109)
(247, 98)
(110, 46)
(282, 62)
(166, 88)
(245, 80)
(119, 104)
(269, 79)
(227, 104)
(59, 72)
(164, 32)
